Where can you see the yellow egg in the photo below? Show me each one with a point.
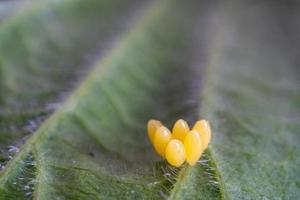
(175, 153)
(180, 129)
(203, 128)
(161, 139)
(152, 127)
(193, 147)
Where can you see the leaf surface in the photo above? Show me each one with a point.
(80, 122)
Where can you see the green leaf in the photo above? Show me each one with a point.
(80, 122)
(43, 55)
(95, 145)
(252, 99)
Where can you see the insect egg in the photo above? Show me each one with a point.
(152, 127)
(182, 144)
(161, 139)
(180, 129)
(203, 128)
(193, 147)
(175, 153)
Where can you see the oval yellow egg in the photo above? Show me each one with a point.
(152, 127)
(204, 129)
(180, 129)
(161, 139)
(193, 147)
(175, 153)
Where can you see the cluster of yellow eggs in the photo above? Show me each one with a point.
(182, 144)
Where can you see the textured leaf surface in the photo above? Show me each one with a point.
(254, 101)
(43, 54)
(76, 99)
(94, 146)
